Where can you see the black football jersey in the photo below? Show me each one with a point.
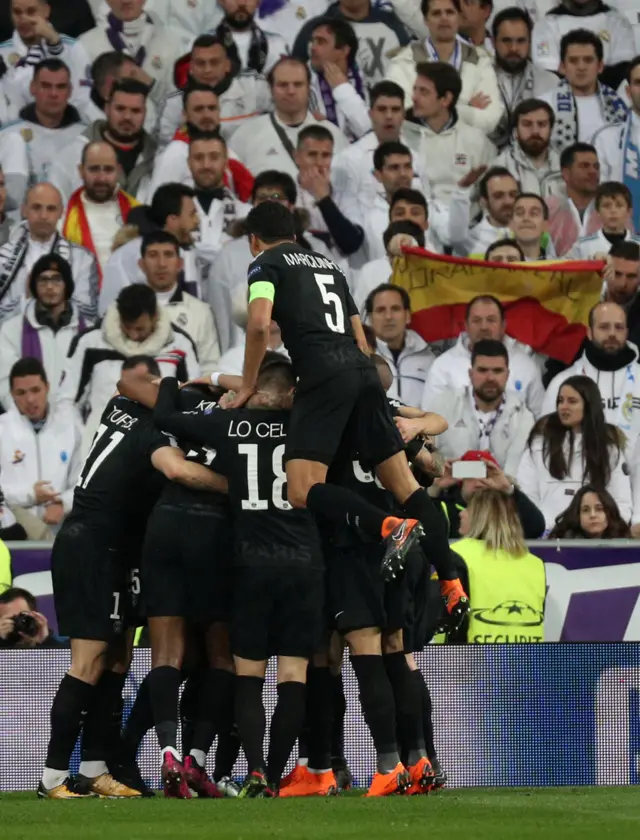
(118, 485)
(250, 446)
(312, 306)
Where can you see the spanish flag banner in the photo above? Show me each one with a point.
(547, 303)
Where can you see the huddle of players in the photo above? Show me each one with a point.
(267, 596)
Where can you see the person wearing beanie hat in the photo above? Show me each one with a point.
(46, 328)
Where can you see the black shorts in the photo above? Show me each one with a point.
(92, 584)
(186, 562)
(277, 611)
(349, 411)
(358, 595)
(416, 577)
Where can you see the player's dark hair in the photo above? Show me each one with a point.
(411, 196)
(149, 362)
(568, 154)
(582, 37)
(344, 34)
(27, 366)
(484, 299)
(613, 189)
(538, 198)
(528, 106)
(287, 59)
(15, 592)
(196, 87)
(385, 150)
(130, 86)
(489, 175)
(626, 250)
(276, 377)
(158, 237)
(389, 89)
(136, 300)
(314, 132)
(54, 65)
(513, 13)
(271, 222)
(387, 287)
(445, 78)
(424, 6)
(106, 65)
(632, 66)
(403, 226)
(503, 243)
(280, 180)
(167, 201)
(489, 347)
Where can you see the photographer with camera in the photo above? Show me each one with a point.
(21, 626)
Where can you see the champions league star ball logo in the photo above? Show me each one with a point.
(509, 614)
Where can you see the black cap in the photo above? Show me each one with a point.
(52, 262)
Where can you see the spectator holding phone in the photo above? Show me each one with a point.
(572, 447)
(592, 515)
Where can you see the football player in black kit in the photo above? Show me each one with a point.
(277, 582)
(339, 402)
(93, 556)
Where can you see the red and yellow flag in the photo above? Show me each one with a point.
(547, 303)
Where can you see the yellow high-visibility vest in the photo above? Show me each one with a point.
(5, 567)
(507, 594)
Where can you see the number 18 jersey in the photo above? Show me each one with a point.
(312, 306)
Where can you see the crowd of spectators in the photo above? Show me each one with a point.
(135, 136)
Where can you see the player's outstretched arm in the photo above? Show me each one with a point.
(427, 422)
(170, 461)
(205, 429)
(358, 331)
(257, 340)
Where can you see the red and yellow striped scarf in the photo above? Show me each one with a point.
(76, 225)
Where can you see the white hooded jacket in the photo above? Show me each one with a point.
(409, 369)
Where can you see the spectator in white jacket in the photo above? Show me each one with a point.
(40, 456)
(480, 101)
(498, 191)
(485, 318)
(449, 148)
(46, 328)
(337, 86)
(612, 363)
(572, 447)
(134, 325)
(614, 205)
(388, 310)
(484, 415)
(257, 48)
(529, 157)
(161, 265)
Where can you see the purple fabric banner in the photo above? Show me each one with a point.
(592, 592)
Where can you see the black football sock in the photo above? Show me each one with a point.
(99, 722)
(435, 543)
(217, 686)
(251, 719)
(338, 504)
(408, 698)
(378, 708)
(114, 731)
(286, 723)
(72, 699)
(164, 688)
(227, 752)
(189, 708)
(339, 710)
(427, 715)
(319, 716)
(139, 722)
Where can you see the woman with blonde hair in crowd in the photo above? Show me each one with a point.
(507, 584)
(572, 447)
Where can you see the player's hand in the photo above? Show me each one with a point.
(44, 493)
(409, 429)
(315, 182)
(363, 347)
(333, 74)
(472, 176)
(201, 380)
(480, 100)
(44, 29)
(53, 513)
(446, 479)
(495, 480)
(400, 241)
(243, 396)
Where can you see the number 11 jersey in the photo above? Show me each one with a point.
(312, 306)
